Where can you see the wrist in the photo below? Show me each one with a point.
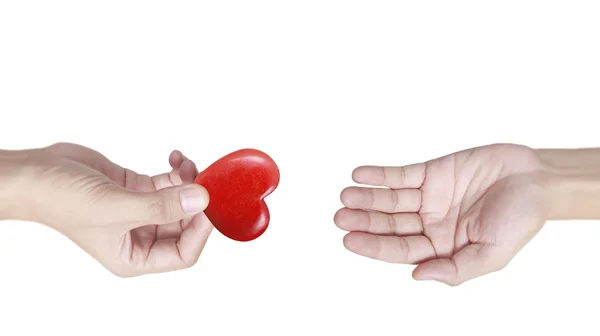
(15, 177)
(572, 182)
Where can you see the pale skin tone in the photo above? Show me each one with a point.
(132, 224)
(466, 214)
(457, 217)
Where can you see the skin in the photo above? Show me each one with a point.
(468, 213)
(456, 217)
(132, 224)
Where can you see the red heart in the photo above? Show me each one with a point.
(237, 185)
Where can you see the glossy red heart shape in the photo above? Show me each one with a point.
(237, 185)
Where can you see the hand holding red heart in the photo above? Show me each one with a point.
(133, 224)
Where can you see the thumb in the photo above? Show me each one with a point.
(471, 262)
(162, 206)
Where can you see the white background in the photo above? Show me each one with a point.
(321, 86)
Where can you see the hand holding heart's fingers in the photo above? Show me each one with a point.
(167, 229)
(163, 206)
(403, 250)
(169, 198)
(183, 172)
(183, 167)
(193, 239)
(173, 253)
(176, 158)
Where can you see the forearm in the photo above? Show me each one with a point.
(572, 180)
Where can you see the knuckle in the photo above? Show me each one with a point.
(418, 200)
(163, 209)
(383, 175)
(189, 262)
(419, 222)
(400, 176)
(59, 147)
(61, 144)
(371, 227)
(187, 259)
(498, 266)
(370, 195)
(391, 224)
(394, 199)
(403, 250)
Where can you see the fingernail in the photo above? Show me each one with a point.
(194, 199)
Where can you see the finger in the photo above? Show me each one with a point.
(172, 230)
(379, 223)
(166, 180)
(184, 175)
(176, 158)
(188, 172)
(193, 238)
(411, 176)
(380, 199)
(168, 205)
(402, 250)
(178, 253)
(470, 262)
(184, 172)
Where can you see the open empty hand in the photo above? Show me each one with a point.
(457, 217)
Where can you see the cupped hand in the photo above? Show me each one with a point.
(456, 217)
(132, 224)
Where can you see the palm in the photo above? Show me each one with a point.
(475, 206)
